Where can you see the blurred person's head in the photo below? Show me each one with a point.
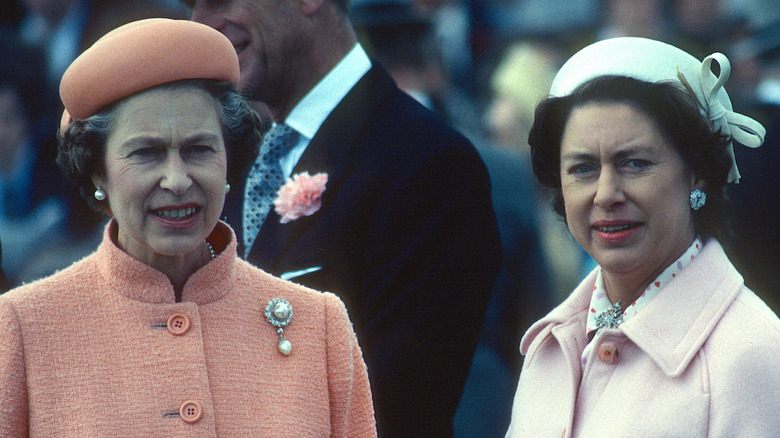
(698, 17)
(14, 126)
(521, 80)
(51, 10)
(284, 48)
(21, 95)
(400, 38)
(633, 18)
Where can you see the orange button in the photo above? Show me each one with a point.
(178, 324)
(190, 411)
(608, 353)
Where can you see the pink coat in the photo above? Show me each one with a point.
(701, 359)
(93, 352)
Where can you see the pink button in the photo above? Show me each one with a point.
(608, 353)
(178, 324)
(190, 411)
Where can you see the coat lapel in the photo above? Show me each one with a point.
(332, 150)
(676, 323)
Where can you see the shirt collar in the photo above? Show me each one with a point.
(314, 108)
(600, 303)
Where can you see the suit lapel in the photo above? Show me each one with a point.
(331, 151)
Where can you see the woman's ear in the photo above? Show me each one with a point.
(98, 180)
(696, 182)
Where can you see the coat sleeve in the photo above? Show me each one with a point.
(351, 408)
(13, 383)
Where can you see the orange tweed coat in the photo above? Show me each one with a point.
(88, 352)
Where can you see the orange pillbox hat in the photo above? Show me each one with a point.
(141, 55)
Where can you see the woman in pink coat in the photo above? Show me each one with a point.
(662, 339)
(163, 331)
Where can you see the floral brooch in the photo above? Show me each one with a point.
(279, 313)
(300, 196)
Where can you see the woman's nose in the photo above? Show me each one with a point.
(175, 177)
(609, 191)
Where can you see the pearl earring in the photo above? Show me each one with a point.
(698, 198)
(100, 195)
(227, 188)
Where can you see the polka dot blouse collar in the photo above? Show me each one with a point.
(602, 313)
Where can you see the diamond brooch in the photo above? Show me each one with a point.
(279, 313)
(611, 317)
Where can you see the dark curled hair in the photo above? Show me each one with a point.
(82, 145)
(675, 112)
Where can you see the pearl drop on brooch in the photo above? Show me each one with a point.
(285, 347)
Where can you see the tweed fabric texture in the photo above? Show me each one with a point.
(86, 352)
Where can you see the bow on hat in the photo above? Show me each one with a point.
(742, 128)
(654, 61)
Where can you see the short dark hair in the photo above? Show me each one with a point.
(676, 113)
(81, 151)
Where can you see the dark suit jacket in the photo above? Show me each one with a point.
(406, 236)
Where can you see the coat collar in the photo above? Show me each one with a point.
(674, 325)
(138, 281)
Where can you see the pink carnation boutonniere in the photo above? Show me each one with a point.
(300, 196)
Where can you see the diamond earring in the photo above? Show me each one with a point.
(100, 195)
(698, 198)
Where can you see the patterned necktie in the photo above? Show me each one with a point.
(265, 179)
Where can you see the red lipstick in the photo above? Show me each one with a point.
(614, 231)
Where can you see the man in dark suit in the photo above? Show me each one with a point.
(406, 234)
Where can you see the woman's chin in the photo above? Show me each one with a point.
(165, 247)
(178, 248)
(620, 262)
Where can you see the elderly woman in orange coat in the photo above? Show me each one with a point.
(163, 331)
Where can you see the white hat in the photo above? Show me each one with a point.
(654, 61)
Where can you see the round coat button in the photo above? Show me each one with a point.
(608, 353)
(190, 411)
(178, 324)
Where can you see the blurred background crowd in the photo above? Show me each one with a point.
(481, 64)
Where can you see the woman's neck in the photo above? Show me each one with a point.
(623, 289)
(179, 269)
(627, 287)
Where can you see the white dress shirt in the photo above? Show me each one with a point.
(310, 113)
